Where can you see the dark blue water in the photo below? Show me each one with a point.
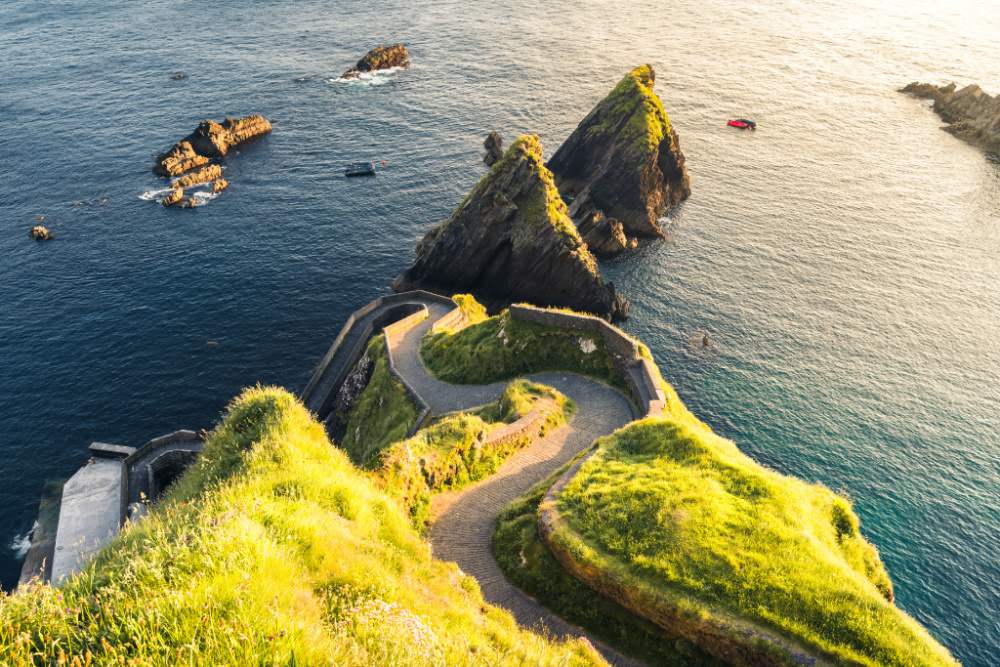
(844, 257)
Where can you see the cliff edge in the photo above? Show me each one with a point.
(973, 116)
(624, 159)
(511, 240)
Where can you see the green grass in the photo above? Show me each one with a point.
(272, 549)
(453, 453)
(667, 508)
(528, 564)
(633, 98)
(381, 415)
(502, 348)
(474, 311)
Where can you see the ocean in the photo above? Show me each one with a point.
(845, 257)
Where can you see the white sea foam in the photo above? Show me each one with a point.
(377, 78)
(20, 545)
(155, 195)
(202, 197)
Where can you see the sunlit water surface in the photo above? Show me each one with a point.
(844, 257)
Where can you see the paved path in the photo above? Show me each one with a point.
(465, 522)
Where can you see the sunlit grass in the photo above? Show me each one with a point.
(502, 348)
(272, 549)
(671, 510)
(457, 451)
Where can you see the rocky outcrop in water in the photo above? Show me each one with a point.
(512, 240)
(219, 185)
(203, 175)
(177, 160)
(624, 159)
(973, 116)
(209, 140)
(494, 148)
(39, 233)
(604, 236)
(382, 57)
(176, 198)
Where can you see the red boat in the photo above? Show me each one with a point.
(743, 124)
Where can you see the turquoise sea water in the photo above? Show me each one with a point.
(845, 257)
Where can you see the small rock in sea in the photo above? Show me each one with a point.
(203, 175)
(219, 185)
(494, 148)
(175, 198)
(705, 342)
(382, 57)
(39, 233)
(175, 77)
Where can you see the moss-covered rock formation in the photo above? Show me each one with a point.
(512, 240)
(756, 568)
(624, 158)
(973, 115)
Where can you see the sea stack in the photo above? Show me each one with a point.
(624, 159)
(494, 148)
(380, 58)
(512, 240)
(973, 115)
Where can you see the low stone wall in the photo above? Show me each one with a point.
(529, 426)
(637, 371)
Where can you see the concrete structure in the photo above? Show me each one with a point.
(95, 501)
(90, 514)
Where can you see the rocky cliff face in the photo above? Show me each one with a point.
(209, 140)
(624, 158)
(973, 115)
(382, 57)
(511, 240)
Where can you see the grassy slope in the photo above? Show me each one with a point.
(272, 549)
(382, 414)
(676, 511)
(528, 564)
(451, 453)
(501, 348)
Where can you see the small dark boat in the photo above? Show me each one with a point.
(360, 169)
(743, 124)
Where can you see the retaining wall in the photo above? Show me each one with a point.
(529, 426)
(637, 371)
(453, 318)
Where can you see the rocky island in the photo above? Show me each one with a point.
(209, 140)
(624, 159)
(379, 58)
(973, 115)
(512, 240)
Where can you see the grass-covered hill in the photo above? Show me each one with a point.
(274, 549)
(682, 528)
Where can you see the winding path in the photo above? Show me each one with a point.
(466, 519)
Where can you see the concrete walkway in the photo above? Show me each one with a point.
(465, 522)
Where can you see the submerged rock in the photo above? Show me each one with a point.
(382, 57)
(624, 158)
(973, 116)
(209, 140)
(511, 240)
(203, 175)
(177, 160)
(39, 233)
(604, 236)
(494, 148)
